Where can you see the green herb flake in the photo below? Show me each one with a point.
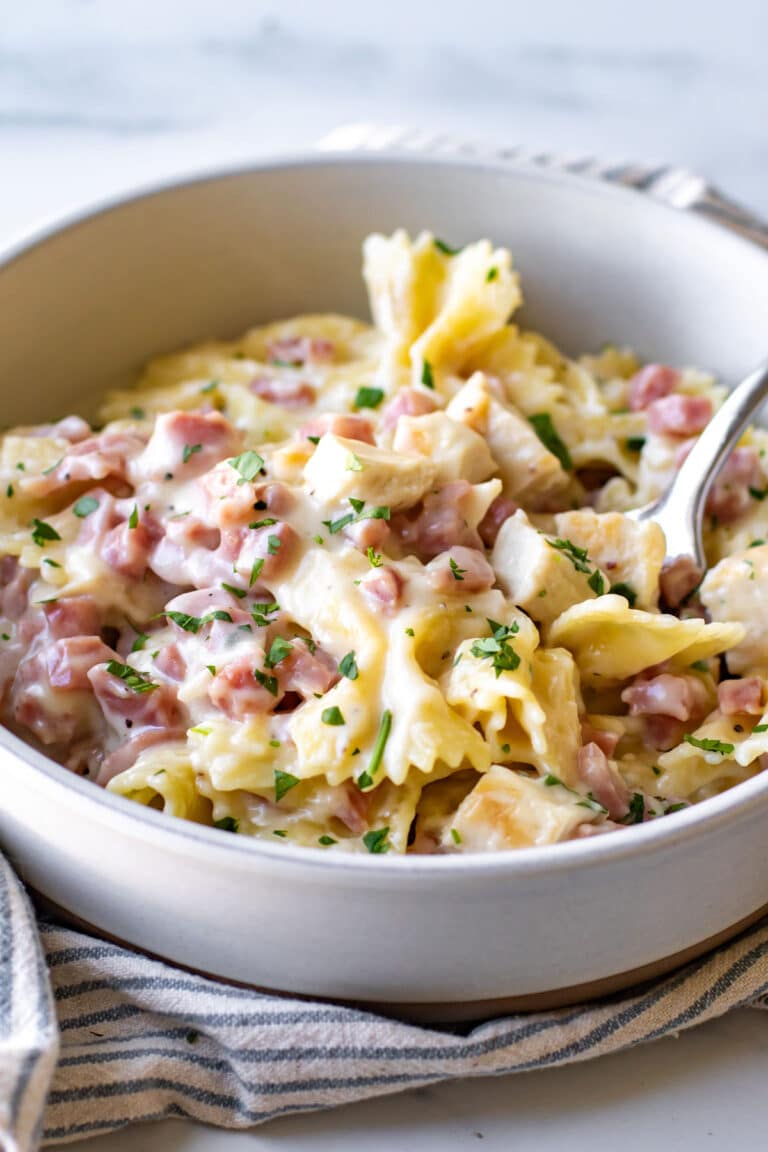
(636, 813)
(541, 422)
(656, 770)
(348, 666)
(133, 519)
(335, 526)
(369, 397)
(455, 835)
(9, 491)
(247, 465)
(427, 376)
(446, 249)
(51, 563)
(707, 745)
(132, 678)
(597, 582)
(21, 466)
(755, 543)
(760, 728)
(273, 545)
(374, 558)
(189, 451)
(227, 824)
(410, 632)
(137, 414)
(365, 780)
(269, 683)
(491, 274)
(85, 506)
(255, 572)
(635, 443)
(700, 666)
(188, 623)
(238, 593)
(275, 744)
(314, 440)
(506, 749)
(376, 841)
(278, 651)
(280, 832)
(326, 841)
(284, 781)
(625, 590)
(42, 533)
(211, 668)
(577, 556)
(140, 642)
(354, 463)
(456, 572)
(211, 386)
(497, 649)
(332, 716)
(758, 493)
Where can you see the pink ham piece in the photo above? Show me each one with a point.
(123, 707)
(299, 350)
(746, 695)
(679, 576)
(662, 732)
(383, 587)
(127, 754)
(439, 522)
(183, 445)
(15, 583)
(651, 383)
(72, 428)
(171, 662)
(605, 740)
(407, 402)
(681, 697)
(500, 510)
(602, 779)
(307, 672)
(43, 680)
(460, 571)
(348, 427)
(678, 415)
(731, 497)
(367, 534)
(97, 458)
(237, 693)
(127, 550)
(353, 807)
(277, 545)
(288, 393)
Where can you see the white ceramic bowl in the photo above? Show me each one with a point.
(82, 307)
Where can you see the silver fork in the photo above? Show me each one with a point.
(679, 511)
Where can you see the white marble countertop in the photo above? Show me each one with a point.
(97, 97)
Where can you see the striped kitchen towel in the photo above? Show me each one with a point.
(94, 1036)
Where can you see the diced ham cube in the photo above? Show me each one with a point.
(15, 583)
(407, 402)
(348, 427)
(651, 383)
(307, 672)
(460, 571)
(72, 616)
(604, 739)
(126, 755)
(123, 707)
(602, 779)
(383, 587)
(679, 576)
(238, 694)
(298, 350)
(679, 415)
(681, 697)
(439, 522)
(277, 545)
(96, 458)
(353, 807)
(500, 510)
(288, 393)
(171, 662)
(127, 549)
(367, 534)
(662, 732)
(745, 695)
(44, 680)
(184, 445)
(730, 496)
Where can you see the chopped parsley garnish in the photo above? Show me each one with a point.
(188, 623)
(755, 543)
(656, 770)
(278, 651)
(262, 612)
(505, 749)
(227, 824)
(597, 582)
(309, 643)
(365, 780)
(255, 571)
(335, 526)
(326, 841)
(217, 614)
(137, 413)
(446, 249)
(376, 841)
(139, 642)
(42, 533)
(332, 716)
(455, 835)
(635, 443)
(131, 677)
(247, 465)
(708, 745)
(358, 513)
(587, 801)
(700, 666)
(625, 590)
(210, 386)
(21, 466)
(284, 781)
(497, 649)
(369, 397)
(239, 593)
(269, 683)
(211, 668)
(670, 808)
(274, 744)
(374, 558)
(410, 632)
(189, 451)
(84, 506)
(313, 440)
(285, 363)
(357, 505)
(49, 471)
(9, 491)
(541, 422)
(354, 463)
(760, 728)
(491, 274)
(427, 377)
(636, 813)
(51, 563)
(280, 832)
(273, 545)
(267, 522)
(456, 572)
(758, 493)
(5, 636)
(580, 560)
(348, 666)
(133, 519)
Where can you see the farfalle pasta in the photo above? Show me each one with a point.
(372, 588)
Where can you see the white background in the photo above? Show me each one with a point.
(98, 96)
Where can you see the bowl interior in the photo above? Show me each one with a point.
(83, 308)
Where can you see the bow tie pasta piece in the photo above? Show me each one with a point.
(630, 554)
(611, 641)
(340, 469)
(164, 773)
(737, 589)
(717, 755)
(235, 754)
(526, 467)
(506, 809)
(543, 576)
(436, 309)
(458, 452)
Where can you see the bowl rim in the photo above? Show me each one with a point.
(672, 830)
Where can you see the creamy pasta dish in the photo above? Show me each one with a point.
(372, 588)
